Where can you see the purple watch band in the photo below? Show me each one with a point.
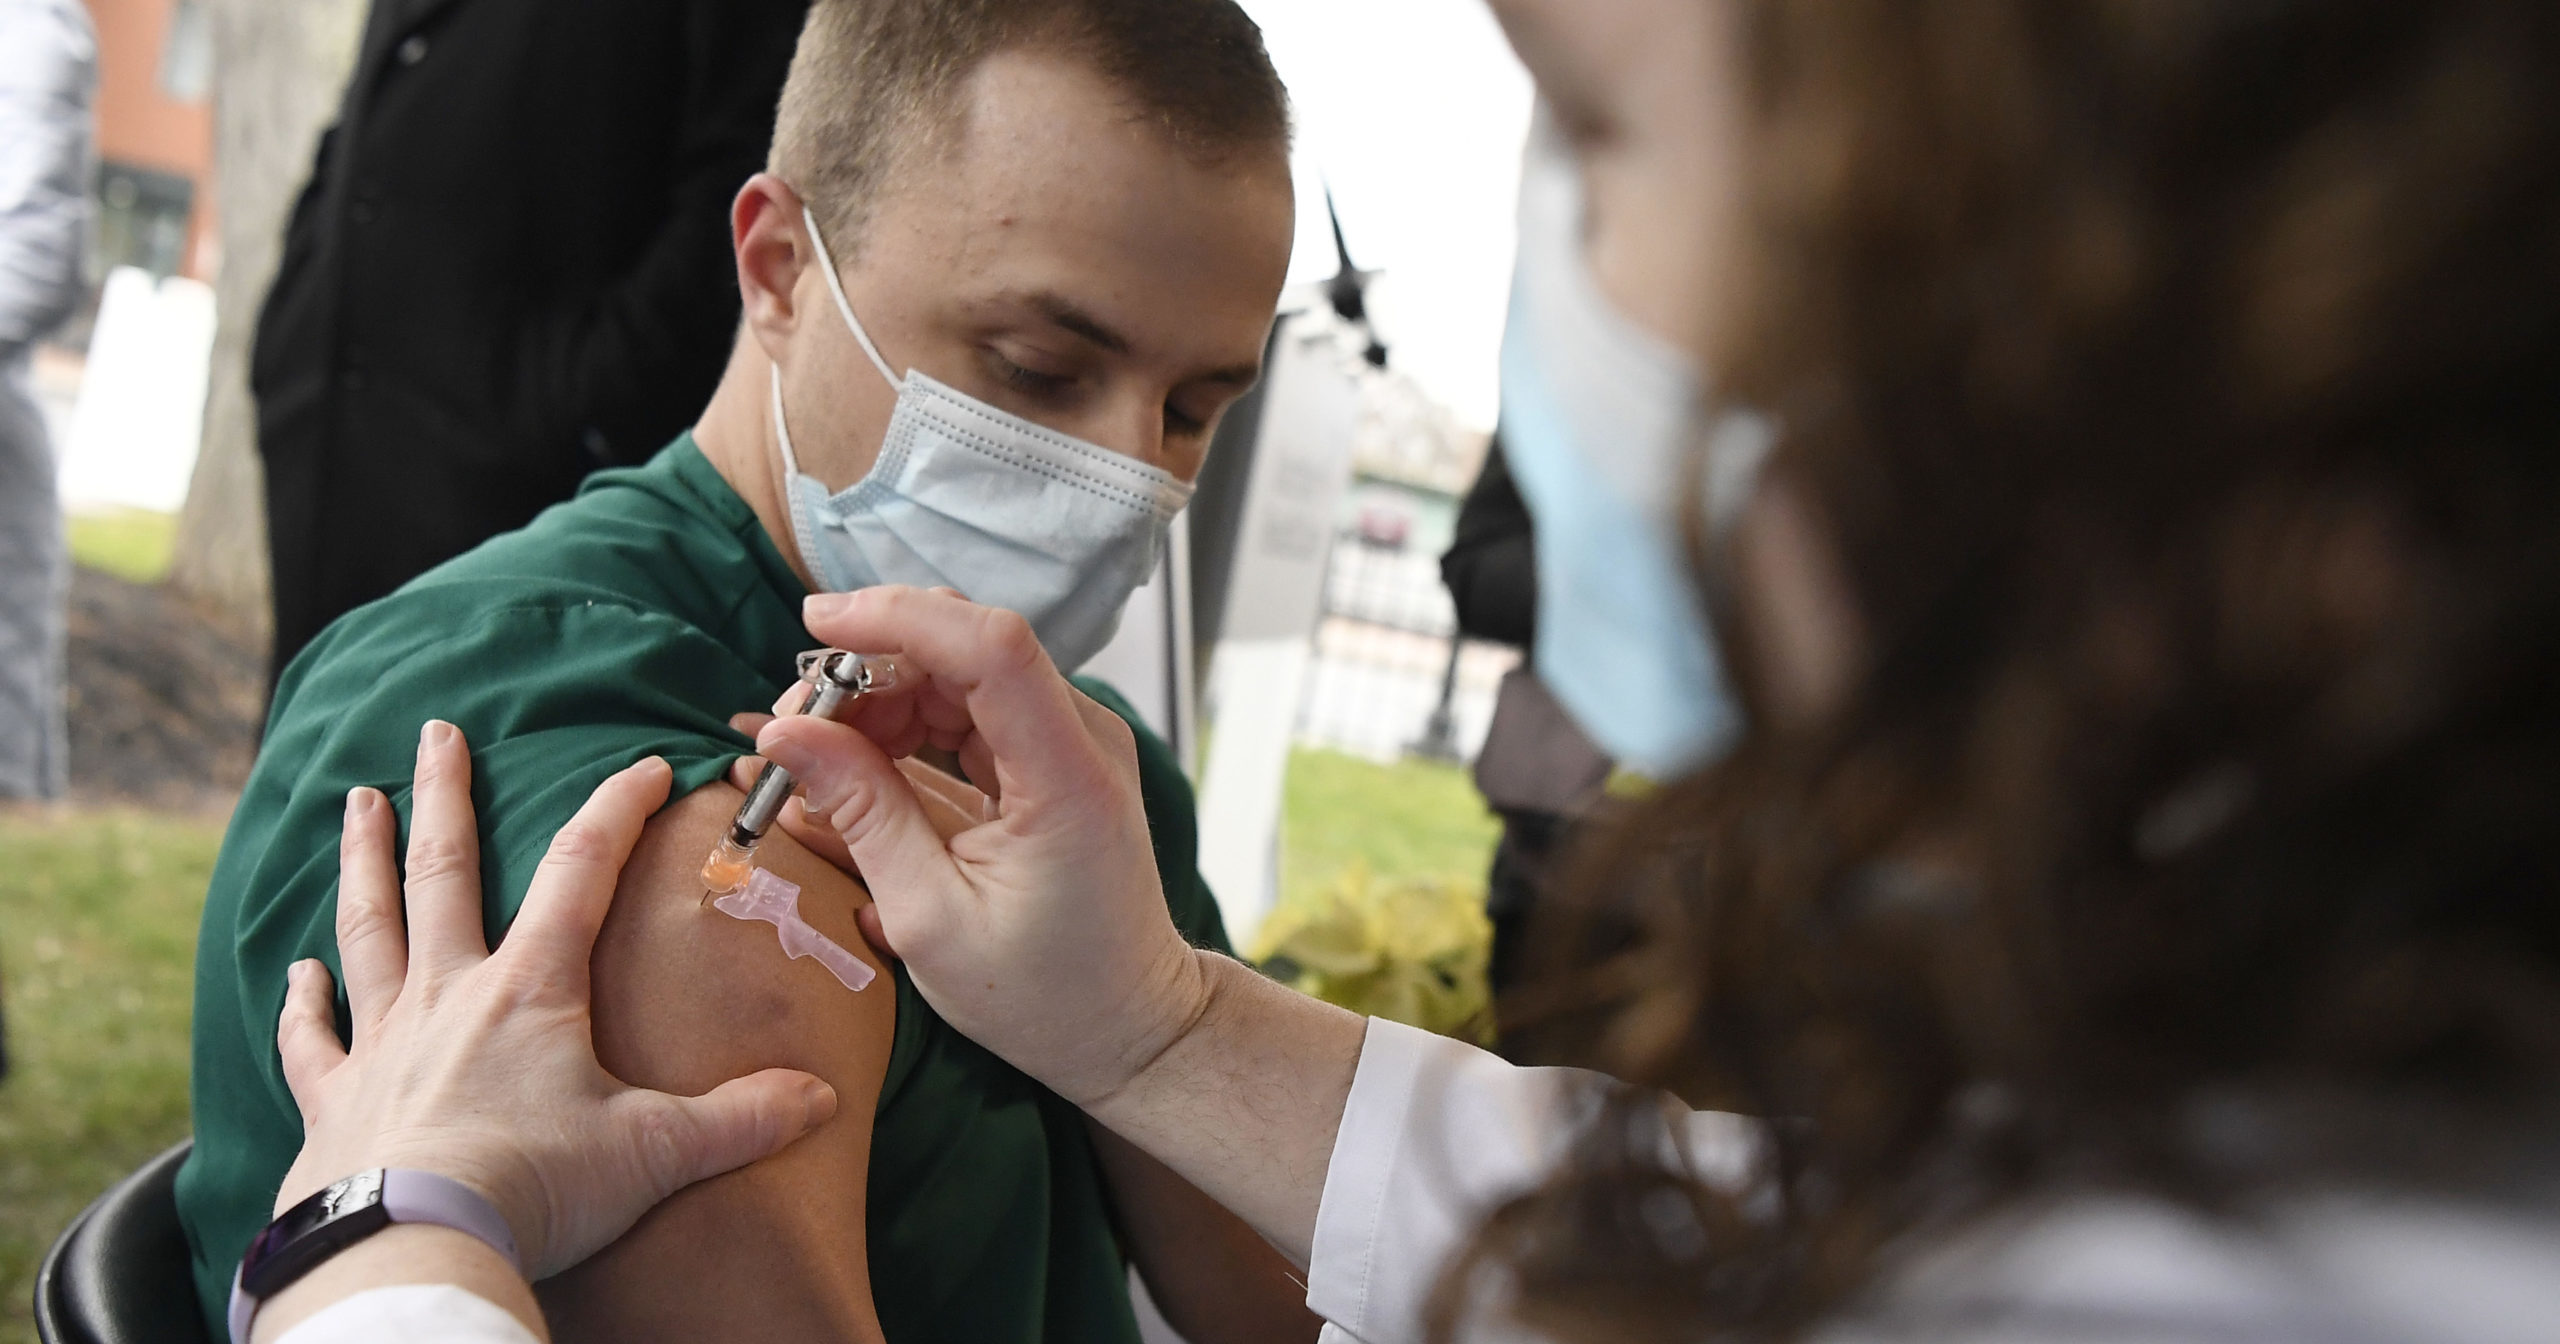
(403, 1196)
(424, 1197)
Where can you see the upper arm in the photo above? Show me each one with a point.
(687, 998)
(1213, 1277)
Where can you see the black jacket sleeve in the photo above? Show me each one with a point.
(1491, 566)
(601, 372)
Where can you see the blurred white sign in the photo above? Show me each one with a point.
(140, 416)
(1258, 674)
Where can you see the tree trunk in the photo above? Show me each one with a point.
(280, 66)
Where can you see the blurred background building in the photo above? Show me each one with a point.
(155, 138)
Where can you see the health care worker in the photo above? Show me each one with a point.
(1379, 1156)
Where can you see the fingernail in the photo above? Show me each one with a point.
(357, 803)
(783, 752)
(435, 733)
(297, 975)
(822, 1102)
(825, 606)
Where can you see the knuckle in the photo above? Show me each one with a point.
(1118, 739)
(847, 804)
(580, 843)
(301, 1029)
(433, 858)
(360, 911)
(363, 939)
(510, 989)
(660, 1142)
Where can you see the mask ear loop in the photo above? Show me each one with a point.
(781, 424)
(844, 306)
(790, 475)
(782, 428)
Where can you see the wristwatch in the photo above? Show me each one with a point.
(348, 1211)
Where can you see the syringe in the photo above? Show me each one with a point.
(836, 680)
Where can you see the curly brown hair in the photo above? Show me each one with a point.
(2179, 384)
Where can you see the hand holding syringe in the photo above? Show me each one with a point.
(837, 680)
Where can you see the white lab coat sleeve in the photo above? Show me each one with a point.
(410, 1313)
(1436, 1135)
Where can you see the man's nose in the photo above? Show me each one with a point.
(1134, 427)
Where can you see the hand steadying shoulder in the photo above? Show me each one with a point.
(481, 1066)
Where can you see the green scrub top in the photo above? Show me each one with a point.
(632, 620)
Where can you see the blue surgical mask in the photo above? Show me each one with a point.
(967, 496)
(1597, 415)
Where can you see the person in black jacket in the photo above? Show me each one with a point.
(1537, 770)
(510, 266)
(1491, 566)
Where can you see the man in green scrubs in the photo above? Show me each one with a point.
(1074, 214)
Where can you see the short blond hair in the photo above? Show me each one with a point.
(873, 80)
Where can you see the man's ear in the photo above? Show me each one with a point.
(766, 234)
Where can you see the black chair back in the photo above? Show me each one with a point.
(121, 1273)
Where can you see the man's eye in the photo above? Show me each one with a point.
(1178, 421)
(1033, 381)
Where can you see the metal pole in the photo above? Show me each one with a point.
(1440, 735)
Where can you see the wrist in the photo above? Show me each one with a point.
(344, 1221)
(1170, 1005)
(515, 1197)
(403, 1253)
(1246, 1099)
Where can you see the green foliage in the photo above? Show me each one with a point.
(1412, 952)
(1382, 892)
(98, 917)
(132, 544)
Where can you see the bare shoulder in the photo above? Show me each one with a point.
(687, 998)
(693, 997)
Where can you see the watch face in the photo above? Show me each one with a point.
(311, 1231)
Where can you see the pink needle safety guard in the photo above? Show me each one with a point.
(776, 901)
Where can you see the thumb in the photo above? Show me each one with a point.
(860, 792)
(738, 1122)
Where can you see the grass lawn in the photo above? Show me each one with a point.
(97, 943)
(97, 948)
(1412, 820)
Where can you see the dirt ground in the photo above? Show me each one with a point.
(164, 701)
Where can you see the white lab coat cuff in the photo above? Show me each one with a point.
(1435, 1135)
(410, 1313)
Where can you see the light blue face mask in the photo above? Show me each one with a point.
(1596, 415)
(974, 498)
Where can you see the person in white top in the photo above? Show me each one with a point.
(2122, 878)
